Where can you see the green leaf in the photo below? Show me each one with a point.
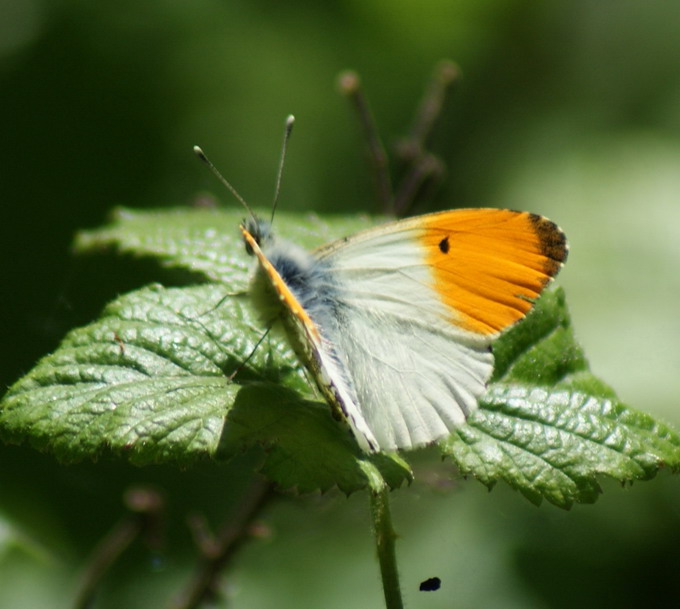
(548, 427)
(305, 447)
(151, 381)
(205, 242)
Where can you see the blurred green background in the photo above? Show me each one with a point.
(568, 109)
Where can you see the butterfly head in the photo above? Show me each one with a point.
(259, 230)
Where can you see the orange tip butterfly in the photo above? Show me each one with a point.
(395, 323)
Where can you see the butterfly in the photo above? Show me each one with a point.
(395, 323)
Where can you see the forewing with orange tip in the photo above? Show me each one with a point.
(419, 303)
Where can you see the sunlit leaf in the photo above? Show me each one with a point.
(173, 374)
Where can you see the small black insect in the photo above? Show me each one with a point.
(430, 585)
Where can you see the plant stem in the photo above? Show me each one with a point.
(385, 544)
(445, 75)
(422, 169)
(145, 508)
(235, 532)
(350, 85)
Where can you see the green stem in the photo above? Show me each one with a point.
(385, 543)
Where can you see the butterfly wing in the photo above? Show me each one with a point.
(410, 383)
(419, 302)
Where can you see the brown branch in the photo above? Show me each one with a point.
(350, 85)
(422, 170)
(218, 552)
(445, 75)
(145, 508)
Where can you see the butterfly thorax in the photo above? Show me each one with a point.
(300, 271)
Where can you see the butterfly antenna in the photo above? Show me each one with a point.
(201, 155)
(290, 121)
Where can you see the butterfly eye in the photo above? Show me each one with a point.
(256, 232)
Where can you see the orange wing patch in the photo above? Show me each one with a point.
(491, 264)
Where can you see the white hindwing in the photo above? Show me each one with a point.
(409, 374)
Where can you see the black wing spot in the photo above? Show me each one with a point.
(444, 245)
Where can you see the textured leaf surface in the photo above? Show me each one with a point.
(305, 447)
(548, 427)
(150, 380)
(206, 242)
